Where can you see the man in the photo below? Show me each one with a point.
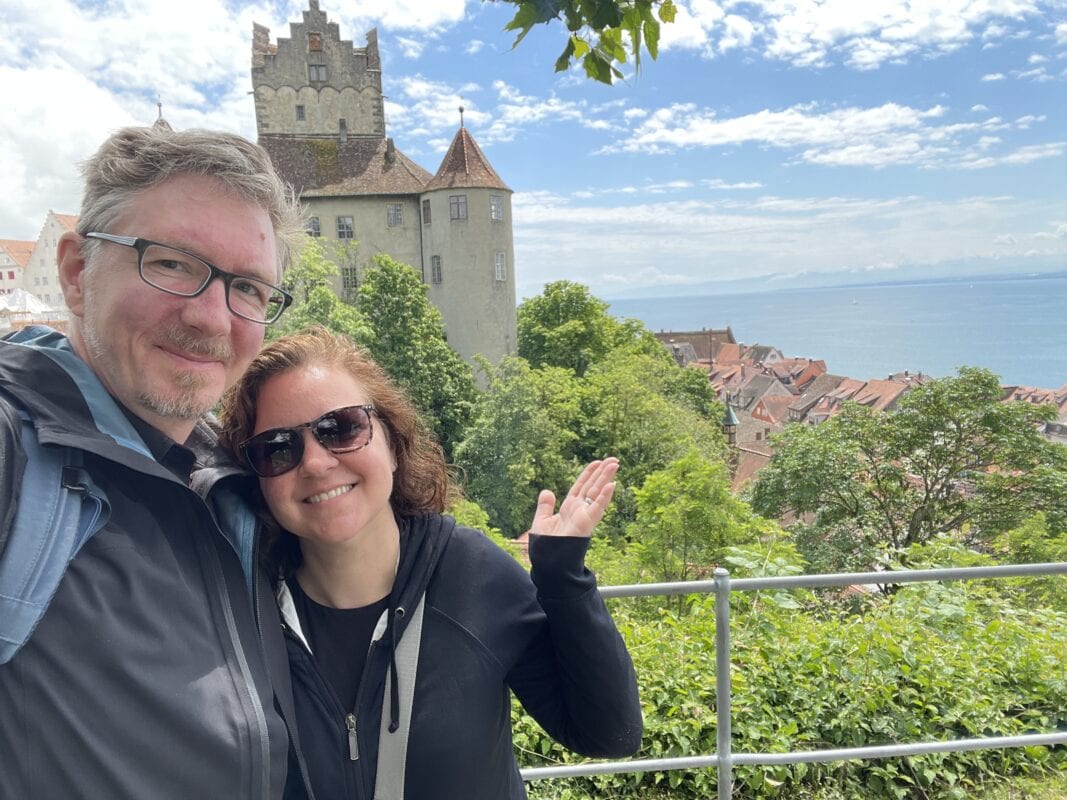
(154, 670)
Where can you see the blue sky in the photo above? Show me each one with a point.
(774, 142)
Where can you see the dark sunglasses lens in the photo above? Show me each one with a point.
(344, 429)
(274, 452)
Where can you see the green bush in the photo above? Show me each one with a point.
(932, 661)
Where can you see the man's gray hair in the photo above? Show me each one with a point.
(135, 159)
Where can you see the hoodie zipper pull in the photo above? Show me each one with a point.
(353, 744)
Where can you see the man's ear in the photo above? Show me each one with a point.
(71, 265)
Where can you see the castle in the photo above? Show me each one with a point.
(319, 113)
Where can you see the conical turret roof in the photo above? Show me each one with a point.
(465, 167)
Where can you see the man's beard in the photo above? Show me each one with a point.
(184, 401)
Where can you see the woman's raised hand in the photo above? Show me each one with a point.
(584, 505)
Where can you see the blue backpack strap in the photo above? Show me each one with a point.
(107, 416)
(59, 509)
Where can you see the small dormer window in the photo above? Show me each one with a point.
(315, 42)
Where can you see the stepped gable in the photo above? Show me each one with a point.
(465, 167)
(362, 165)
(68, 221)
(18, 250)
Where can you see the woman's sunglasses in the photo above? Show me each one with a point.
(279, 450)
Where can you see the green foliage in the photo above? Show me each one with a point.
(471, 515)
(1034, 542)
(585, 386)
(565, 326)
(686, 518)
(408, 340)
(952, 457)
(934, 661)
(628, 411)
(308, 279)
(599, 30)
(521, 440)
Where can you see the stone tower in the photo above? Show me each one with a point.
(315, 83)
(319, 116)
(468, 245)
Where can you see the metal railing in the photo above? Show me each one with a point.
(724, 759)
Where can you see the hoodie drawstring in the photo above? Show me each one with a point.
(394, 680)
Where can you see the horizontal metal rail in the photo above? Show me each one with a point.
(793, 757)
(885, 578)
(725, 759)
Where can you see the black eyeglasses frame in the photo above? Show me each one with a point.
(296, 441)
(140, 245)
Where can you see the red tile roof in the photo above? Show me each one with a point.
(19, 250)
(465, 166)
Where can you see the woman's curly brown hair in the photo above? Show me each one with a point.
(421, 482)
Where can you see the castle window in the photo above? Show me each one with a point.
(313, 228)
(315, 42)
(496, 208)
(344, 227)
(349, 283)
(317, 72)
(300, 115)
(425, 212)
(501, 266)
(435, 269)
(395, 214)
(457, 206)
(11, 274)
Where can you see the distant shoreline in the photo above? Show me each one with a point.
(713, 291)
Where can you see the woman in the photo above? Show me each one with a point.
(405, 631)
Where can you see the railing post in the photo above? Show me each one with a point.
(722, 684)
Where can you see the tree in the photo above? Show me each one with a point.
(407, 339)
(952, 457)
(308, 279)
(565, 326)
(612, 23)
(687, 517)
(628, 411)
(521, 441)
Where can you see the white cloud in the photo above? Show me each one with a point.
(993, 76)
(719, 183)
(409, 47)
(979, 108)
(864, 35)
(674, 241)
(411, 15)
(1022, 155)
(422, 107)
(880, 136)
(474, 46)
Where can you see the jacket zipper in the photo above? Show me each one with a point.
(353, 742)
(260, 777)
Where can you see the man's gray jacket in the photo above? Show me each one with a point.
(150, 674)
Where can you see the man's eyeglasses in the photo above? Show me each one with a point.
(279, 450)
(177, 272)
